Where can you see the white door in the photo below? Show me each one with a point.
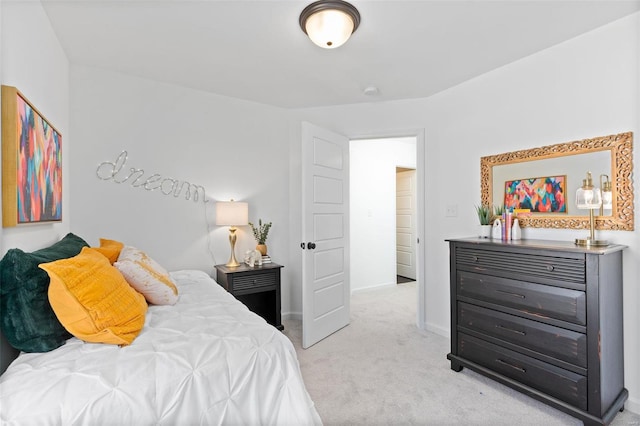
(406, 223)
(325, 232)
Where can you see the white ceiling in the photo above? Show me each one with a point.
(255, 50)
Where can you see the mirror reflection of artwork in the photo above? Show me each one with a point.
(538, 195)
(610, 155)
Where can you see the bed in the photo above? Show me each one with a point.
(206, 360)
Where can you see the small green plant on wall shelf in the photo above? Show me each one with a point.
(260, 233)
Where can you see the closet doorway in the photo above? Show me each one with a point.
(406, 235)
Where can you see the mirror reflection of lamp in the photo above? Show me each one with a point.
(607, 194)
(589, 198)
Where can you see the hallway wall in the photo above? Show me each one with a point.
(373, 208)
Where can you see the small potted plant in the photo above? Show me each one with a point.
(261, 232)
(484, 216)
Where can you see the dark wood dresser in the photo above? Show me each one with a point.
(543, 317)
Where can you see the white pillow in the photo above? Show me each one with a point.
(147, 276)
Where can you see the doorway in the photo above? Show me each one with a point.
(333, 149)
(378, 249)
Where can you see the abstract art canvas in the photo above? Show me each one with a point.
(31, 163)
(538, 195)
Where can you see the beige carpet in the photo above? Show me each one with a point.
(382, 370)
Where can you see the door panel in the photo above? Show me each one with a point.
(328, 263)
(406, 233)
(325, 221)
(328, 226)
(327, 190)
(327, 154)
(328, 300)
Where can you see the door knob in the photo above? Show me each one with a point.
(311, 245)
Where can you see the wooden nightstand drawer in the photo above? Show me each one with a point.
(258, 287)
(562, 384)
(554, 342)
(246, 282)
(532, 299)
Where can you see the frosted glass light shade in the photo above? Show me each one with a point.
(607, 200)
(588, 198)
(329, 28)
(607, 193)
(329, 23)
(232, 213)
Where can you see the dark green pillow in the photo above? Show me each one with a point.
(26, 317)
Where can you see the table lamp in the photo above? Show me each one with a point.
(232, 214)
(589, 198)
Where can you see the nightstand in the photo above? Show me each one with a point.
(257, 287)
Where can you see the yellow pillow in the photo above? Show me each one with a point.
(147, 276)
(110, 248)
(93, 301)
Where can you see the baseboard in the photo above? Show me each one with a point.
(441, 331)
(375, 287)
(633, 405)
(296, 316)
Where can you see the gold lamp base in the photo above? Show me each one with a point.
(588, 242)
(591, 241)
(232, 263)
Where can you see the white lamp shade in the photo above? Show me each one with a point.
(588, 198)
(329, 28)
(232, 213)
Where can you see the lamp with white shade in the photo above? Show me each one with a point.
(232, 214)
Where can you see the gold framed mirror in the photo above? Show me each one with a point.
(610, 156)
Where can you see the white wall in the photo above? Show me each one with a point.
(34, 62)
(585, 87)
(233, 148)
(372, 204)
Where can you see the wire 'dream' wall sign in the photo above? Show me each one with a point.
(113, 170)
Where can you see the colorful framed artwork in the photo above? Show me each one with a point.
(537, 195)
(31, 163)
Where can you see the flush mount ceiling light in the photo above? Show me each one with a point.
(329, 23)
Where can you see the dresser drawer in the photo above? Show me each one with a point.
(253, 281)
(534, 299)
(562, 384)
(569, 269)
(556, 342)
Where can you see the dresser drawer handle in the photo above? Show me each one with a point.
(508, 293)
(502, 327)
(550, 268)
(474, 258)
(254, 282)
(515, 367)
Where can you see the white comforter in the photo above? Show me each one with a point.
(207, 360)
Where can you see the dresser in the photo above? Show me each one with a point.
(543, 317)
(258, 287)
